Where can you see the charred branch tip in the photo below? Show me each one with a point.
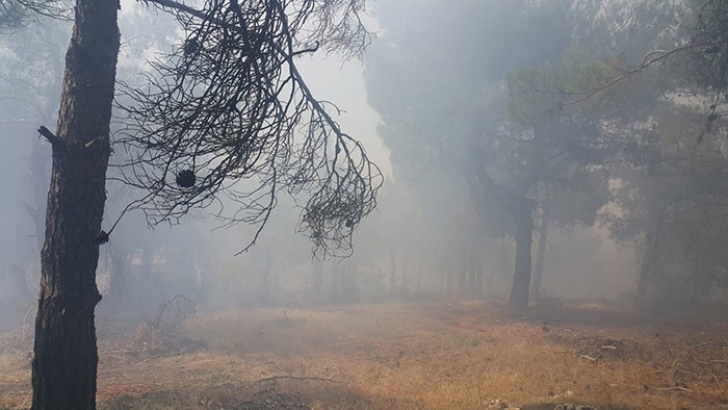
(51, 137)
(101, 238)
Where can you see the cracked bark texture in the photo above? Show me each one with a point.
(65, 353)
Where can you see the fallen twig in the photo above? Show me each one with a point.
(673, 388)
(593, 359)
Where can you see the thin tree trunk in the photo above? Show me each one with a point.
(522, 274)
(541, 253)
(335, 282)
(643, 281)
(317, 277)
(420, 271)
(405, 278)
(463, 273)
(38, 218)
(392, 273)
(117, 284)
(646, 265)
(66, 357)
(696, 279)
(472, 275)
(145, 289)
(478, 276)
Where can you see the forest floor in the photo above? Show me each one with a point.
(466, 355)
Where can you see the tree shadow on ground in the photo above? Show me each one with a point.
(591, 314)
(263, 395)
(551, 406)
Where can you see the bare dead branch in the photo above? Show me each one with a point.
(228, 118)
(648, 60)
(51, 137)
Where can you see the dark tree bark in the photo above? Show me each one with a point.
(543, 231)
(524, 232)
(66, 356)
(522, 209)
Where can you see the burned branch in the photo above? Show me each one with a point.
(50, 136)
(228, 113)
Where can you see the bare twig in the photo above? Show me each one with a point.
(672, 388)
(648, 60)
(591, 359)
(230, 110)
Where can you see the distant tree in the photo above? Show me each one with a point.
(227, 104)
(459, 128)
(30, 82)
(670, 203)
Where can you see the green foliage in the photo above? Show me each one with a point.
(536, 94)
(555, 112)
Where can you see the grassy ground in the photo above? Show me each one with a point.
(410, 356)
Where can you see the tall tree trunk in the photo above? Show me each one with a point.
(648, 259)
(66, 356)
(524, 232)
(543, 231)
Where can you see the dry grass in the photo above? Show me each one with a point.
(416, 356)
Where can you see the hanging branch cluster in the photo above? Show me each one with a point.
(17, 13)
(227, 114)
